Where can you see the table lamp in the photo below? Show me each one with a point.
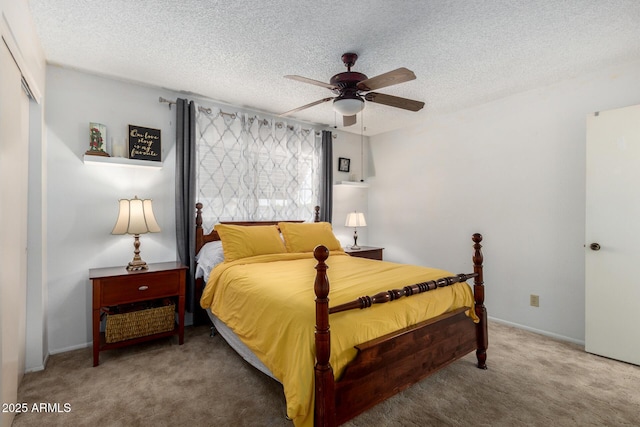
(355, 220)
(136, 217)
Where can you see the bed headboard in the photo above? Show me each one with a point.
(202, 238)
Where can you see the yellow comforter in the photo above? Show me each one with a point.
(269, 302)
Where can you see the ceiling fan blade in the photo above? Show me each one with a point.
(394, 101)
(306, 106)
(348, 120)
(312, 81)
(394, 77)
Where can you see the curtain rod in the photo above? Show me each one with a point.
(279, 125)
(232, 115)
(200, 108)
(209, 111)
(166, 101)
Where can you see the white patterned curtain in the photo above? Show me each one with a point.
(255, 168)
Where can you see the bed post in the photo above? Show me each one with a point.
(482, 335)
(316, 214)
(325, 400)
(199, 231)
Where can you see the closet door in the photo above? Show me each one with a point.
(14, 137)
(613, 234)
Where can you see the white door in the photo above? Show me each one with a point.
(14, 133)
(612, 249)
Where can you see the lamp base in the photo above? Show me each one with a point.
(137, 265)
(355, 246)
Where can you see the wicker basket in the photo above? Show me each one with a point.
(139, 323)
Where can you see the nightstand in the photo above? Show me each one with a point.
(371, 252)
(116, 286)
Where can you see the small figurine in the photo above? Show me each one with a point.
(97, 133)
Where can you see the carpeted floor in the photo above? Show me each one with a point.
(531, 381)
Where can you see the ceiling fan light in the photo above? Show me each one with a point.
(348, 106)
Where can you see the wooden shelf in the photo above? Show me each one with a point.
(121, 161)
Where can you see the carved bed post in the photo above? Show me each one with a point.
(316, 214)
(199, 231)
(482, 334)
(325, 401)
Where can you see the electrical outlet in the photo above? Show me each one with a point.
(534, 300)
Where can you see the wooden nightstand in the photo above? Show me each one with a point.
(371, 252)
(115, 286)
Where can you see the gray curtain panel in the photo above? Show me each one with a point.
(326, 201)
(186, 192)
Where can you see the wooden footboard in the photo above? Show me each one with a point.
(388, 365)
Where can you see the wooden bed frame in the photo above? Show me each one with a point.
(389, 364)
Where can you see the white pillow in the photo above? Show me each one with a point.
(210, 255)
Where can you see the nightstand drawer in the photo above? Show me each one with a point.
(120, 290)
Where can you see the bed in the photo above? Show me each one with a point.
(380, 341)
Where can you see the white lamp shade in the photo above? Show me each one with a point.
(135, 217)
(348, 106)
(355, 219)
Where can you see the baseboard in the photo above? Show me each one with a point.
(38, 368)
(538, 331)
(71, 348)
(188, 321)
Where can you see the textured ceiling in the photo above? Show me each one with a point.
(463, 52)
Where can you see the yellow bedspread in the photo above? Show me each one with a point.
(269, 302)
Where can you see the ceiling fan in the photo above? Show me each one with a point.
(350, 86)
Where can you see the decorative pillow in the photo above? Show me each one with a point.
(304, 237)
(209, 256)
(242, 241)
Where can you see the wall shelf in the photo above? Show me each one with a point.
(121, 161)
(357, 184)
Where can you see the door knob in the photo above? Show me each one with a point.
(595, 246)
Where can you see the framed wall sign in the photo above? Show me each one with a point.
(144, 143)
(344, 164)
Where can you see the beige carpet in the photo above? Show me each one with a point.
(532, 381)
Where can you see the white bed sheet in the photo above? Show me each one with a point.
(209, 256)
(232, 339)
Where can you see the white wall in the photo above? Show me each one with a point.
(349, 198)
(82, 199)
(36, 331)
(513, 170)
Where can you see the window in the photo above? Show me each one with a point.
(253, 168)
